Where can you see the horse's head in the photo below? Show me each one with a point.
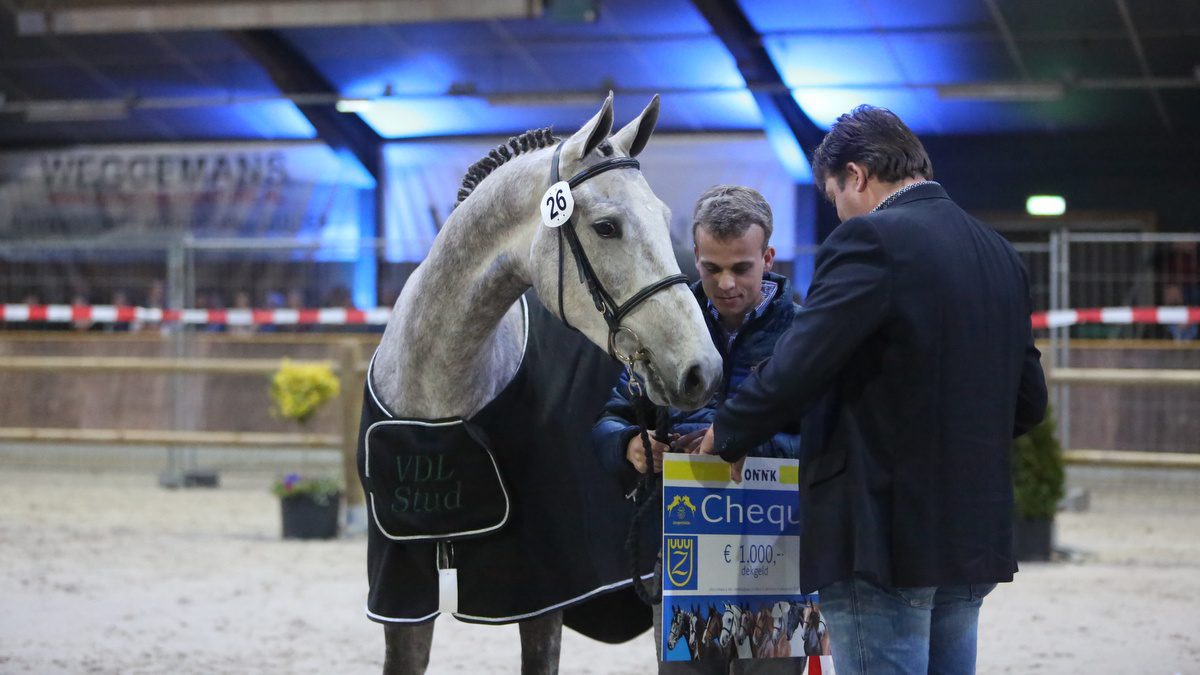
(621, 231)
(731, 623)
(678, 626)
(779, 617)
(795, 617)
(712, 626)
(747, 626)
(764, 625)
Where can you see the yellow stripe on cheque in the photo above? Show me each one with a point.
(716, 470)
(696, 469)
(789, 474)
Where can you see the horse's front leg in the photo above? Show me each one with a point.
(407, 648)
(541, 642)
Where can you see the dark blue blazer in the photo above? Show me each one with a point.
(915, 339)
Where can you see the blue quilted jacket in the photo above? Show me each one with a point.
(753, 344)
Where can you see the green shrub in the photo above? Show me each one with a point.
(1037, 467)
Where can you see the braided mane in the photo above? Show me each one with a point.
(534, 139)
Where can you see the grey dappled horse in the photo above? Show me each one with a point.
(455, 336)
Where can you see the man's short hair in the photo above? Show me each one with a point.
(876, 139)
(729, 211)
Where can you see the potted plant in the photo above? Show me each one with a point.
(309, 504)
(1038, 479)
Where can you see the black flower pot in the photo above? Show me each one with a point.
(308, 518)
(1033, 539)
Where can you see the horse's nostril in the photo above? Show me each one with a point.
(693, 381)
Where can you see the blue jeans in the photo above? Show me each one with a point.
(878, 630)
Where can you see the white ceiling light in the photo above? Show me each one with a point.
(1003, 91)
(547, 98)
(76, 111)
(1045, 205)
(353, 105)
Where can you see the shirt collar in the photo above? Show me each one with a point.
(891, 199)
(768, 290)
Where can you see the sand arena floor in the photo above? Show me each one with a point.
(108, 573)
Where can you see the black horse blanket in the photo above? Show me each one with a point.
(533, 522)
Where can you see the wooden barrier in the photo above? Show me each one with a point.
(251, 439)
(349, 367)
(1130, 459)
(1125, 376)
(142, 364)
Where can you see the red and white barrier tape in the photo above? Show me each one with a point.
(378, 316)
(330, 316)
(1060, 318)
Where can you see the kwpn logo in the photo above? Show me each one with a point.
(679, 561)
(681, 510)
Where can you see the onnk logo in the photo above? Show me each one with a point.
(764, 475)
(681, 510)
(679, 561)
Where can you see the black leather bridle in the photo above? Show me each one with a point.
(613, 312)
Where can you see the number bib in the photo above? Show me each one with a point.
(557, 204)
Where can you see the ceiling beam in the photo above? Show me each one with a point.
(1136, 42)
(37, 17)
(1010, 42)
(295, 76)
(781, 114)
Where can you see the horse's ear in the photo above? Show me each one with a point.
(591, 134)
(632, 138)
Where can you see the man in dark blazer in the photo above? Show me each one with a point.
(916, 341)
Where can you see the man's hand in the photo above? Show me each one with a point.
(689, 443)
(707, 448)
(636, 454)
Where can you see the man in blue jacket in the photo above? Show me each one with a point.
(916, 337)
(746, 306)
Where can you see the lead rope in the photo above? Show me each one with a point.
(648, 495)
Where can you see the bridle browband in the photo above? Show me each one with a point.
(613, 312)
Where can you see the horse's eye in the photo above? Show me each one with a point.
(607, 229)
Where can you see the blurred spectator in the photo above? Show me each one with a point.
(1183, 268)
(29, 300)
(120, 300)
(295, 300)
(210, 300)
(241, 301)
(155, 299)
(156, 295)
(339, 296)
(275, 300)
(80, 300)
(1173, 294)
(389, 296)
(1179, 266)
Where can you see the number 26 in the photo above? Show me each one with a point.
(557, 203)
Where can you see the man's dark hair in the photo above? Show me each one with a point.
(877, 140)
(728, 212)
